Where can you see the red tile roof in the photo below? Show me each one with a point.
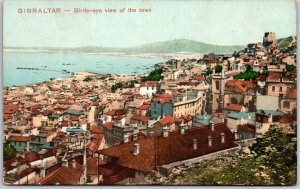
(261, 78)
(199, 78)
(31, 156)
(144, 107)
(20, 138)
(64, 175)
(187, 117)
(116, 112)
(47, 112)
(159, 150)
(119, 117)
(167, 120)
(109, 125)
(150, 83)
(234, 107)
(96, 129)
(239, 86)
(139, 117)
(92, 169)
(274, 76)
(287, 119)
(96, 140)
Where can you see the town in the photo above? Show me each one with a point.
(104, 129)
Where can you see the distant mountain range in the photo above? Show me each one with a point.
(172, 46)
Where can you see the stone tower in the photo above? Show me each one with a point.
(217, 90)
(269, 40)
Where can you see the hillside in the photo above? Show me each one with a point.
(172, 46)
(183, 45)
(283, 43)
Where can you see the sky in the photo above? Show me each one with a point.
(220, 22)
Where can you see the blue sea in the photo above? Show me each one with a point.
(57, 64)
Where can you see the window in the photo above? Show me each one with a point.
(280, 89)
(286, 104)
(51, 144)
(218, 85)
(234, 100)
(273, 88)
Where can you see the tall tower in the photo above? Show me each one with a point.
(217, 91)
(269, 40)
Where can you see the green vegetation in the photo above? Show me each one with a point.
(132, 82)
(87, 79)
(9, 152)
(116, 86)
(208, 71)
(249, 74)
(283, 43)
(272, 161)
(154, 76)
(290, 67)
(218, 68)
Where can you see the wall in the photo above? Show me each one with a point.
(167, 169)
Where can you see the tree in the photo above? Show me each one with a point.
(218, 68)
(154, 76)
(87, 79)
(9, 152)
(208, 71)
(290, 67)
(116, 86)
(249, 74)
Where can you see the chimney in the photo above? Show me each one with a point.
(27, 146)
(182, 128)
(151, 133)
(165, 131)
(235, 135)
(136, 149)
(194, 144)
(135, 136)
(126, 139)
(209, 140)
(212, 126)
(74, 163)
(64, 162)
(222, 138)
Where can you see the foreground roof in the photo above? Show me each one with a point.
(159, 150)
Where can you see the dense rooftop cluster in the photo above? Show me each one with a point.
(111, 129)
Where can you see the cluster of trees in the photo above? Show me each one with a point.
(249, 74)
(87, 79)
(9, 152)
(154, 76)
(290, 67)
(116, 86)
